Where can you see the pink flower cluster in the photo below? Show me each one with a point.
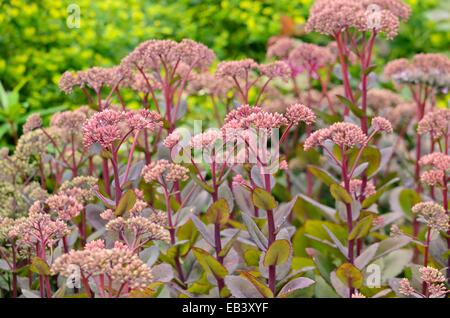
(111, 125)
(163, 170)
(432, 69)
(65, 206)
(345, 135)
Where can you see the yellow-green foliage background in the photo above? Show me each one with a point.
(36, 45)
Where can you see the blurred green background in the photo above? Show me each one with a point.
(37, 46)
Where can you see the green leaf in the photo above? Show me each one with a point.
(370, 154)
(278, 253)
(354, 108)
(350, 275)
(340, 194)
(263, 199)
(323, 175)
(362, 228)
(229, 244)
(370, 69)
(263, 289)
(39, 266)
(204, 185)
(217, 213)
(126, 202)
(407, 199)
(209, 263)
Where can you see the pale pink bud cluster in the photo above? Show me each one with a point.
(345, 135)
(143, 119)
(111, 125)
(440, 163)
(107, 215)
(332, 17)
(236, 69)
(65, 206)
(435, 281)
(206, 139)
(402, 113)
(81, 188)
(432, 69)
(436, 123)
(297, 113)
(97, 77)
(433, 215)
(163, 170)
(33, 122)
(120, 265)
(141, 83)
(172, 140)
(310, 57)
(380, 99)
(405, 287)
(437, 160)
(159, 217)
(381, 124)
(70, 121)
(104, 128)
(433, 178)
(39, 228)
(156, 54)
(67, 81)
(140, 226)
(356, 187)
(275, 69)
(281, 48)
(246, 117)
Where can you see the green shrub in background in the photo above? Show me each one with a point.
(37, 46)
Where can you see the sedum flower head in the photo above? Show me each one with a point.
(356, 187)
(205, 140)
(163, 170)
(275, 69)
(33, 122)
(81, 188)
(431, 69)
(405, 287)
(172, 140)
(331, 17)
(402, 114)
(381, 100)
(310, 57)
(143, 119)
(433, 178)
(38, 227)
(236, 69)
(71, 121)
(65, 206)
(104, 128)
(281, 48)
(345, 135)
(297, 113)
(436, 123)
(437, 160)
(381, 124)
(140, 227)
(119, 264)
(433, 215)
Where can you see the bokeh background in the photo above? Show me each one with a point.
(37, 46)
